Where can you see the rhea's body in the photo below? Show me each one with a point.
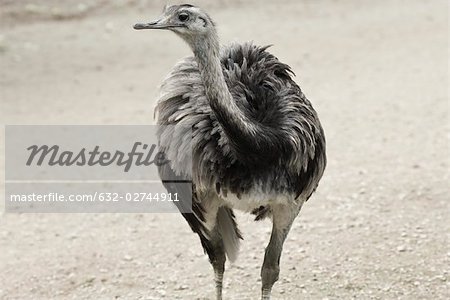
(285, 168)
(245, 133)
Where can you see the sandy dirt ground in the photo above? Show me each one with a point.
(377, 73)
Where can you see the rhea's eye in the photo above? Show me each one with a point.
(183, 17)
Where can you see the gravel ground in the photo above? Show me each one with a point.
(377, 73)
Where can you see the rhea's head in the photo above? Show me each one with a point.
(189, 22)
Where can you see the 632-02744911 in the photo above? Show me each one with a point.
(140, 197)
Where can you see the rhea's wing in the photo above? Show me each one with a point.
(263, 87)
(179, 109)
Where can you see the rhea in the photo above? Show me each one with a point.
(254, 140)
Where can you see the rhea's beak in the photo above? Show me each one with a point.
(160, 24)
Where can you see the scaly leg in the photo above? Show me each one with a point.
(217, 259)
(282, 217)
(213, 244)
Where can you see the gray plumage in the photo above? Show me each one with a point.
(257, 143)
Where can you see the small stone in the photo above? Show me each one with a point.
(89, 281)
(128, 258)
(182, 287)
(401, 248)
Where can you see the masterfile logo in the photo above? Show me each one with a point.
(93, 169)
(53, 155)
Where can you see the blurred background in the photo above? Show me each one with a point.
(376, 72)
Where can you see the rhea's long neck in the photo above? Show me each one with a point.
(241, 131)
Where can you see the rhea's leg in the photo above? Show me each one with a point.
(218, 262)
(214, 245)
(282, 217)
(216, 252)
